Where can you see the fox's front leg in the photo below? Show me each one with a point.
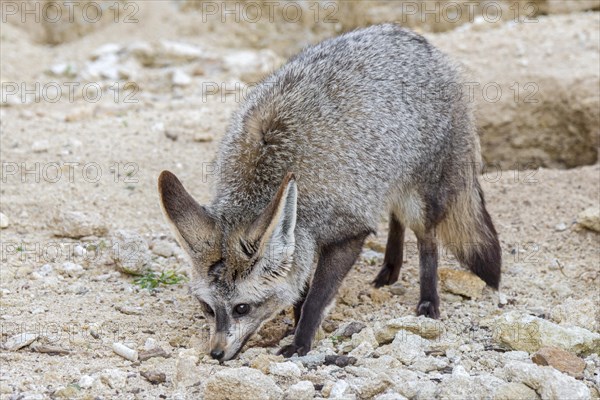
(334, 263)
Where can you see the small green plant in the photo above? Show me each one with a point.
(151, 280)
(336, 340)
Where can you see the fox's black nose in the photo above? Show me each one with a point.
(217, 354)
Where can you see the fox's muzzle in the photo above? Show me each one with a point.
(218, 345)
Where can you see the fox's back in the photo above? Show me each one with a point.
(355, 118)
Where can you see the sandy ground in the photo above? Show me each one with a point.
(115, 152)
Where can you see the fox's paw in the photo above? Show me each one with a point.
(291, 349)
(428, 309)
(384, 277)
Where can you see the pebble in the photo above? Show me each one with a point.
(130, 252)
(422, 326)
(338, 390)
(397, 289)
(340, 361)
(40, 146)
(151, 353)
(4, 221)
(162, 248)
(348, 329)
(285, 369)
(71, 269)
(560, 227)
(154, 377)
(463, 283)
(180, 78)
(241, 383)
(125, 352)
(86, 381)
(590, 219)
(128, 310)
(303, 390)
(561, 360)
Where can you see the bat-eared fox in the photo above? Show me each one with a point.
(373, 120)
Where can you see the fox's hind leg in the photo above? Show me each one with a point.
(392, 260)
(428, 262)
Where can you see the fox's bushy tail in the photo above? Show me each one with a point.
(468, 231)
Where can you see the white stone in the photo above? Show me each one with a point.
(303, 390)
(241, 383)
(114, 378)
(338, 389)
(86, 381)
(4, 221)
(285, 369)
(180, 78)
(71, 269)
(408, 347)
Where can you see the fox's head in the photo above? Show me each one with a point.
(240, 272)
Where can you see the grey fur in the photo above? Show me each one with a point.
(370, 121)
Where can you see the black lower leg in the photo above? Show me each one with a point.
(334, 263)
(428, 262)
(393, 254)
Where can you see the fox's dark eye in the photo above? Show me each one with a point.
(207, 309)
(241, 309)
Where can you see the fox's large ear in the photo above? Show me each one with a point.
(274, 228)
(194, 227)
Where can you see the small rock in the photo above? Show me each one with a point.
(529, 333)
(180, 78)
(285, 370)
(130, 252)
(21, 340)
(262, 362)
(162, 248)
(397, 289)
(546, 381)
(40, 146)
(338, 389)
(461, 282)
(75, 224)
(561, 360)
(51, 350)
(340, 361)
(128, 310)
(71, 269)
(590, 219)
(560, 227)
(310, 361)
(348, 329)
(364, 336)
(86, 381)
(241, 383)
(151, 353)
(154, 377)
(114, 378)
(303, 390)
(408, 347)
(187, 372)
(422, 326)
(4, 221)
(68, 392)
